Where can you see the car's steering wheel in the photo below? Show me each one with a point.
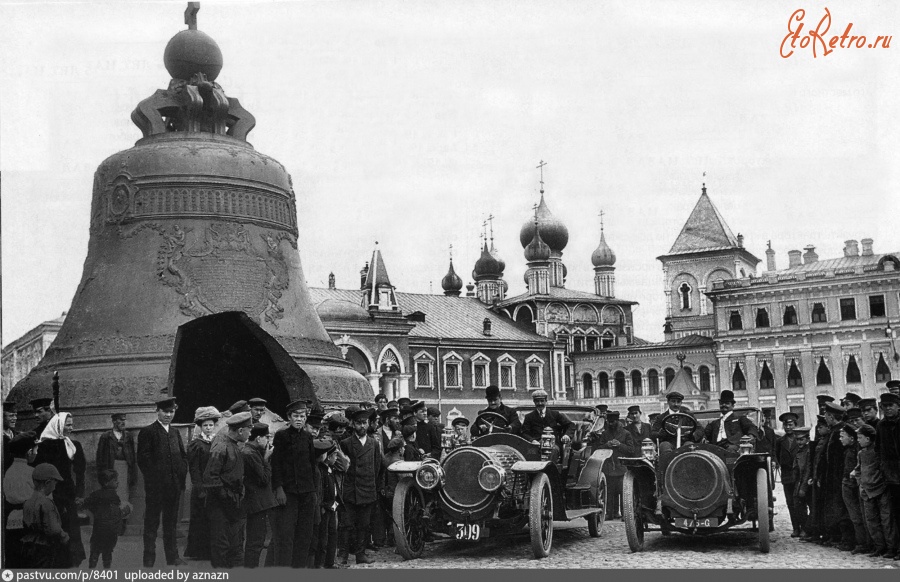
(680, 421)
(495, 420)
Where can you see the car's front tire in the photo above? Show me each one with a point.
(540, 515)
(762, 509)
(596, 520)
(409, 519)
(631, 513)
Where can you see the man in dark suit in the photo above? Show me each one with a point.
(361, 483)
(869, 408)
(43, 411)
(639, 430)
(163, 462)
(541, 417)
(785, 454)
(658, 431)
(615, 438)
(117, 444)
(495, 404)
(426, 440)
(728, 430)
(258, 496)
(294, 483)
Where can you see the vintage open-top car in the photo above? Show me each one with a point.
(697, 489)
(499, 483)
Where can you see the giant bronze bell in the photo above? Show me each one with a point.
(191, 221)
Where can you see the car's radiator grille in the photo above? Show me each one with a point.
(696, 479)
(461, 476)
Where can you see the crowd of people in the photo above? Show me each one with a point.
(312, 490)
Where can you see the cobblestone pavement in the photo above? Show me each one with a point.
(574, 548)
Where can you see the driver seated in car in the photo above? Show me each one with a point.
(495, 405)
(728, 430)
(542, 417)
(666, 438)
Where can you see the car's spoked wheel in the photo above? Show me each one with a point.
(409, 519)
(540, 516)
(595, 521)
(762, 509)
(632, 514)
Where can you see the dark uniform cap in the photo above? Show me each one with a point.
(432, 411)
(21, 443)
(652, 416)
(820, 419)
(854, 413)
(601, 408)
(41, 403)
(833, 408)
(45, 472)
(9, 406)
(727, 396)
(365, 415)
(893, 384)
(256, 402)
(491, 392)
(460, 421)
(380, 397)
(868, 430)
(297, 405)
(409, 421)
(418, 405)
(635, 408)
(259, 429)
(868, 403)
(239, 406)
(118, 416)
(675, 394)
(612, 415)
(388, 413)
(166, 404)
(239, 420)
(406, 411)
(851, 397)
(404, 400)
(324, 446)
(786, 416)
(823, 398)
(889, 398)
(407, 431)
(394, 404)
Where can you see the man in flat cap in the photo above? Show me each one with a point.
(638, 429)
(361, 483)
(293, 481)
(43, 411)
(542, 417)
(116, 451)
(163, 462)
(495, 404)
(615, 438)
(257, 409)
(887, 445)
(426, 440)
(259, 499)
(666, 437)
(830, 477)
(223, 481)
(727, 430)
(785, 453)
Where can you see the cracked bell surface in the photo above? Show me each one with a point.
(189, 222)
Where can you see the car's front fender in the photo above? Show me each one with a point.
(404, 466)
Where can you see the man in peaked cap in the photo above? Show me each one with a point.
(495, 405)
(850, 400)
(293, 463)
(43, 411)
(638, 430)
(361, 483)
(542, 417)
(893, 386)
(823, 399)
(869, 408)
(257, 408)
(394, 404)
(728, 430)
(425, 437)
(116, 451)
(830, 474)
(258, 496)
(785, 453)
(404, 401)
(223, 482)
(615, 438)
(659, 431)
(163, 462)
(887, 445)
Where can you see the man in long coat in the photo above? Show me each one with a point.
(223, 482)
(785, 453)
(830, 476)
(361, 483)
(163, 461)
(116, 450)
(615, 438)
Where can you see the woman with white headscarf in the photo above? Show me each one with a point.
(66, 454)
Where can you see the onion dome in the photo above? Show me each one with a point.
(537, 249)
(603, 256)
(497, 258)
(451, 282)
(192, 51)
(553, 231)
(486, 267)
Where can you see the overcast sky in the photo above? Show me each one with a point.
(409, 122)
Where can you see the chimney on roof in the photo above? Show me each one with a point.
(470, 290)
(331, 281)
(740, 239)
(810, 255)
(794, 259)
(851, 248)
(770, 257)
(867, 247)
(487, 326)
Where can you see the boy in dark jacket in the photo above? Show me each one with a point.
(259, 498)
(800, 470)
(108, 511)
(45, 540)
(324, 545)
(850, 490)
(881, 524)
